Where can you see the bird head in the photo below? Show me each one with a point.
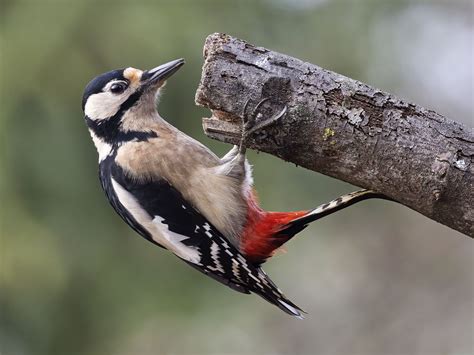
(120, 105)
(114, 92)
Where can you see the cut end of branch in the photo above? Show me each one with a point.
(214, 43)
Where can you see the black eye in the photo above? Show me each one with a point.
(118, 88)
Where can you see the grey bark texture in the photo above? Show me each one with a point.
(342, 128)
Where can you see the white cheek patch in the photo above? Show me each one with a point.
(158, 230)
(103, 105)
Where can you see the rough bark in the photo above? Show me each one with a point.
(342, 128)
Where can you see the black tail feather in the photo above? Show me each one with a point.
(326, 209)
(273, 294)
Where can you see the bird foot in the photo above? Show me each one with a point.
(252, 122)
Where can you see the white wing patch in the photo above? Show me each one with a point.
(183, 251)
(170, 235)
(155, 226)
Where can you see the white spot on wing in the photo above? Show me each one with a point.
(207, 227)
(245, 266)
(242, 259)
(215, 256)
(235, 269)
(158, 231)
(186, 252)
(172, 236)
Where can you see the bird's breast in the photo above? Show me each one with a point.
(190, 168)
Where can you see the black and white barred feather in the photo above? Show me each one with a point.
(197, 241)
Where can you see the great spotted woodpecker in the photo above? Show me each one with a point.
(176, 193)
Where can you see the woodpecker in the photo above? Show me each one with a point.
(179, 195)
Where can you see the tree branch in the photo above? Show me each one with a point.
(342, 128)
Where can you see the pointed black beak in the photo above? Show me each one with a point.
(161, 73)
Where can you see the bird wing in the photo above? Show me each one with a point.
(158, 211)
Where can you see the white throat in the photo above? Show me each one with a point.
(104, 149)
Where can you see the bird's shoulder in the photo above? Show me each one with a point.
(160, 213)
(165, 151)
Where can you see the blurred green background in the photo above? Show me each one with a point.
(375, 279)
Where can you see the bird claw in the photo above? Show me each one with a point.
(252, 122)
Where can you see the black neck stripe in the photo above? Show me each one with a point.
(108, 129)
(139, 136)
